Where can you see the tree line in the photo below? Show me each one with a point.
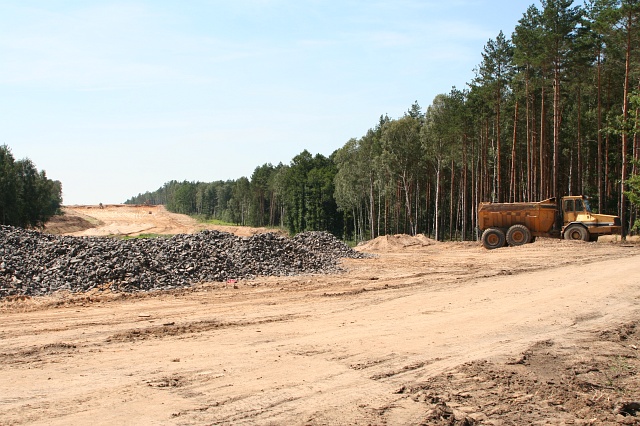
(27, 197)
(298, 196)
(548, 113)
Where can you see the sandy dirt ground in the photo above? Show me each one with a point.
(424, 333)
(132, 220)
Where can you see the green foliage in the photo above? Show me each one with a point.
(361, 178)
(308, 194)
(299, 196)
(402, 156)
(27, 197)
(633, 193)
(633, 183)
(530, 126)
(203, 219)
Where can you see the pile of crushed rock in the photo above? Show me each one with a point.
(33, 263)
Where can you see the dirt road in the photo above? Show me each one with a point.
(431, 333)
(132, 220)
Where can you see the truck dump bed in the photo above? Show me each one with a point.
(538, 217)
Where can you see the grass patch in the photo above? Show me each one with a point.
(140, 237)
(351, 243)
(218, 222)
(203, 219)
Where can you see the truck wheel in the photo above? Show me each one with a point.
(493, 238)
(518, 235)
(576, 233)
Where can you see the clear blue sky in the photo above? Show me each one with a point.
(114, 98)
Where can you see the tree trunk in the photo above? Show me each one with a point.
(579, 171)
(464, 187)
(372, 214)
(437, 207)
(556, 129)
(512, 178)
(529, 157)
(535, 187)
(599, 158)
(486, 188)
(451, 197)
(607, 182)
(544, 193)
(497, 166)
(407, 200)
(625, 120)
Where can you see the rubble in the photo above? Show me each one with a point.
(33, 263)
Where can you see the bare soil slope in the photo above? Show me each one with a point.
(132, 220)
(424, 333)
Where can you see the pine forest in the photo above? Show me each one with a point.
(552, 110)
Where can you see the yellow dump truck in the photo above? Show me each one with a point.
(519, 223)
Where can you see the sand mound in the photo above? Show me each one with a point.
(395, 242)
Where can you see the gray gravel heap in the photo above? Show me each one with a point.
(32, 263)
(326, 243)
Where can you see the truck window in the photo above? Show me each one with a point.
(568, 205)
(579, 206)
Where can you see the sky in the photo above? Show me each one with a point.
(115, 98)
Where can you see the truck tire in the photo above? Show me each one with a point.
(576, 233)
(493, 238)
(518, 235)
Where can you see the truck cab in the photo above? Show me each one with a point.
(579, 223)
